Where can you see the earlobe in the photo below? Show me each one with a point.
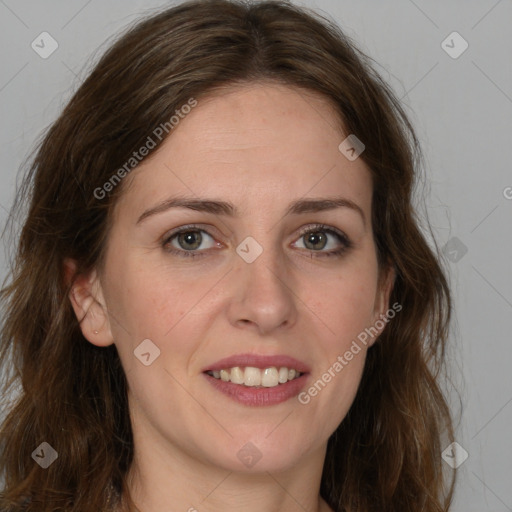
(87, 300)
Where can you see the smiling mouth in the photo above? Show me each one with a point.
(255, 377)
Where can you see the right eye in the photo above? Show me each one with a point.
(188, 241)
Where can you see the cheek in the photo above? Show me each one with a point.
(345, 303)
(170, 309)
(149, 299)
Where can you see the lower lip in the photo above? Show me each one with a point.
(261, 396)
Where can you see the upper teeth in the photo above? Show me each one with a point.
(250, 376)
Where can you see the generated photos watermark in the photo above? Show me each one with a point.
(158, 133)
(343, 360)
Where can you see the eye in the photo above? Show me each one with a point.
(188, 241)
(324, 240)
(319, 240)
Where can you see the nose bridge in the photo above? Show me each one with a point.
(267, 270)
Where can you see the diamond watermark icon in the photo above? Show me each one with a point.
(249, 249)
(454, 249)
(454, 45)
(44, 45)
(45, 455)
(146, 352)
(454, 455)
(249, 455)
(351, 147)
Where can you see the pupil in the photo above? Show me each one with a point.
(190, 238)
(315, 238)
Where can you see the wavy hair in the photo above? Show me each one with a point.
(386, 453)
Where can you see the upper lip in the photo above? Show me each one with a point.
(258, 361)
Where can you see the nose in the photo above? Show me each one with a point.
(263, 298)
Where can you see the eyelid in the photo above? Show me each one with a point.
(311, 228)
(189, 227)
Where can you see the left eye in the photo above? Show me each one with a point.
(320, 239)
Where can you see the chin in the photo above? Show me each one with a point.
(261, 454)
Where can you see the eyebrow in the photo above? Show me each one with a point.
(300, 206)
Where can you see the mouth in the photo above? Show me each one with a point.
(256, 380)
(251, 376)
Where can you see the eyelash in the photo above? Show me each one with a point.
(346, 243)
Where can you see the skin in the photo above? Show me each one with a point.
(260, 147)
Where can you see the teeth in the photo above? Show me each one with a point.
(283, 375)
(237, 375)
(270, 377)
(254, 377)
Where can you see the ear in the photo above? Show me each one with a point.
(385, 286)
(86, 296)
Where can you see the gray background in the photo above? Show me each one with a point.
(462, 110)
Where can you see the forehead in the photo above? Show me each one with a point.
(252, 144)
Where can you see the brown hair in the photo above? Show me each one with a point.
(386, 454)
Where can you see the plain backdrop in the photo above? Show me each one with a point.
(461, 107)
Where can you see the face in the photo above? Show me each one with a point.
(242, 253)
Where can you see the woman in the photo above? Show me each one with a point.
(221, 298)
